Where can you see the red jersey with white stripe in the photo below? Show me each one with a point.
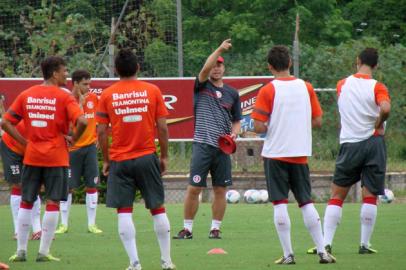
(359, 97)
(288, 105)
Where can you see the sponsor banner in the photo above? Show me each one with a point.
(178, 97)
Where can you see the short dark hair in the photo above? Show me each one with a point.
(126, 63)
(50, 65)
(369, 57)
(79, 75)
(279, 57)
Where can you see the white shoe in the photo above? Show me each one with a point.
(134, 266)
(168, 266)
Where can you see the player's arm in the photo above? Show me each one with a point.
(163, 137)
(384, 112)
(76, 116)
(316, 122)
(236, 117)
(235, 129)
(263, 108)
(11, 118)
(81, 124)
(260, 126)
(103, 122)
(212, 60)
(8, 127)
(383, 101)
(103, 139)
(317, 112)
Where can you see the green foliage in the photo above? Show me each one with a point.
(153, 57)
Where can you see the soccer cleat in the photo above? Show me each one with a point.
(4, 266)
(326, 258)
(290, 259)
(314, 250)
(366, 250)
(46, 258)
(36, 236)
(61, 229)
(94, 229)
(214, 234)
(168, 266)
(183, 234)
(20, 256)
(134, 266)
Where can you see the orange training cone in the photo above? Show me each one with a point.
(216, 251)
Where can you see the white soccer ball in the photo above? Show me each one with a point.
(388, 197)
(233, 196)
(251, 196)
(263, 195)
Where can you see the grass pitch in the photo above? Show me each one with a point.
(249, 238)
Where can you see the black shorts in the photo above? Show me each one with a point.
(365, 161)
(54, 179)
(12, 164)
(282, 176)
(128, 176)
(83, 163)
(205, 159)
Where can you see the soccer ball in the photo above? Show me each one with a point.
(233, 196)
(252, 196)
(263, 196)
(388, 197)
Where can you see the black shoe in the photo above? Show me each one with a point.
(326, 258)
(183, 234)
(214, 234)
(366, 250)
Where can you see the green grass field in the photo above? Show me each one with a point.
(249, 238)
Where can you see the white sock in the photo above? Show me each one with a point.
(36, 216)
(23, 226)
(188, 224)
(312, 222)
(215, 224)
(368, 218)
(282, 225)
(65, 209)
(91, 206)
(126, 231)
(162, 231)
(49, 223)
(332, 218)
(15, 201)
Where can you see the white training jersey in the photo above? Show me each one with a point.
(358, 99)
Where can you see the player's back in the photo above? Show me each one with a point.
(132, 108)
(357, 106)
(289, 131)
(46, 111)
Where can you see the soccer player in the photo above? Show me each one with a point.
(286, 109)
(364, 106)
(47, 112)
(83, 155)
(12, 154)
(135, 110)
(217, 112)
